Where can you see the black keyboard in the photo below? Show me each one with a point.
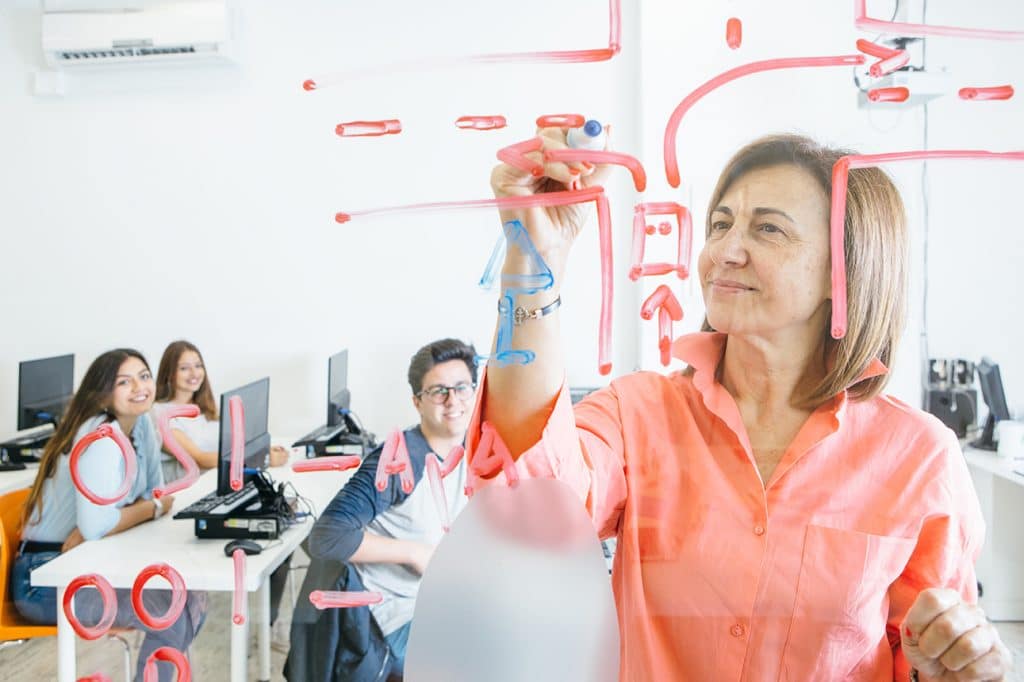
(11, 466)
(213, 504)
(18, 451)
(320, 435)
(35, 440)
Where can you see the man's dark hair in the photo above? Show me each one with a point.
(435, 353)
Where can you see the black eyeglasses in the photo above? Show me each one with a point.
(439, 394)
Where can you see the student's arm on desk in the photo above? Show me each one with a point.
(278, 455)
(101, 468)
(340, 533)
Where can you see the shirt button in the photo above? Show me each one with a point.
(758, 530)
(737, 630)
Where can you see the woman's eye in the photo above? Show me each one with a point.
(720, 225)
(768, 227)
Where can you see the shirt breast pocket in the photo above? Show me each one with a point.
(841, 604)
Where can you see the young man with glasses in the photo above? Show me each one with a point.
(386, 538)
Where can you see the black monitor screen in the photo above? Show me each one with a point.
(338, 396)
(578, 393)
(44, 390)
(992, 392)
(992, 389)
(255, 403)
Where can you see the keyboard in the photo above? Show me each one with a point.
(25, 449)
(11, 466)
(33, 440)
(320, 435)
(214, 504)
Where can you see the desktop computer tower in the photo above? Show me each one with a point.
(344, 443)
(256, 526)
(949, 395)
(957, 408)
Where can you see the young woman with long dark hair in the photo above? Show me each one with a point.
(117, 389)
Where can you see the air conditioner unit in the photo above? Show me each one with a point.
(93, 32)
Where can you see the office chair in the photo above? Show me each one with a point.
(15, 630)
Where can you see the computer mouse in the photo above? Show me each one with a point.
(250, 547)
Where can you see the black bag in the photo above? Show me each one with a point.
(335, 644)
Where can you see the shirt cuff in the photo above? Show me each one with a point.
(556, 455)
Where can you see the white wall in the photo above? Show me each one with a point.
(145, 206)
(133, 208)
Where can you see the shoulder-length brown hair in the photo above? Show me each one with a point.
(91, 399)
(203, 397)
(876, 249)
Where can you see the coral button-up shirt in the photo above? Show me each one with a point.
(720, 576)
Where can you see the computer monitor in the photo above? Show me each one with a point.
(338, 396)
(578, 393)
(992, 392)
(44, 390)
(255, 402)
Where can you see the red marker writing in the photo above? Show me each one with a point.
(733, 33)
(560, 121)
(997, 92)
(899, 94)
(480, 122)
(391, 126)
(339, 463)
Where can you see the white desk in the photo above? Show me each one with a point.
(15, 480)
(201, 563)
(1001, 564)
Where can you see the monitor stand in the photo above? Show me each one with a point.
(986, 441)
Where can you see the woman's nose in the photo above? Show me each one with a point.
(729, 248)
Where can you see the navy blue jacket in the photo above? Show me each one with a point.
(339, 530)
(345, 644)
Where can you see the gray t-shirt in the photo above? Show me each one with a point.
(416, 518)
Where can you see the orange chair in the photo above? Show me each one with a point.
(12, 625)
(14, 629)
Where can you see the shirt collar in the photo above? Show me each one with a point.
(703, 351)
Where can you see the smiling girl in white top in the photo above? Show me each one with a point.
(182, 380)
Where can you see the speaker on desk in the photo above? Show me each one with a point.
(956, 407)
